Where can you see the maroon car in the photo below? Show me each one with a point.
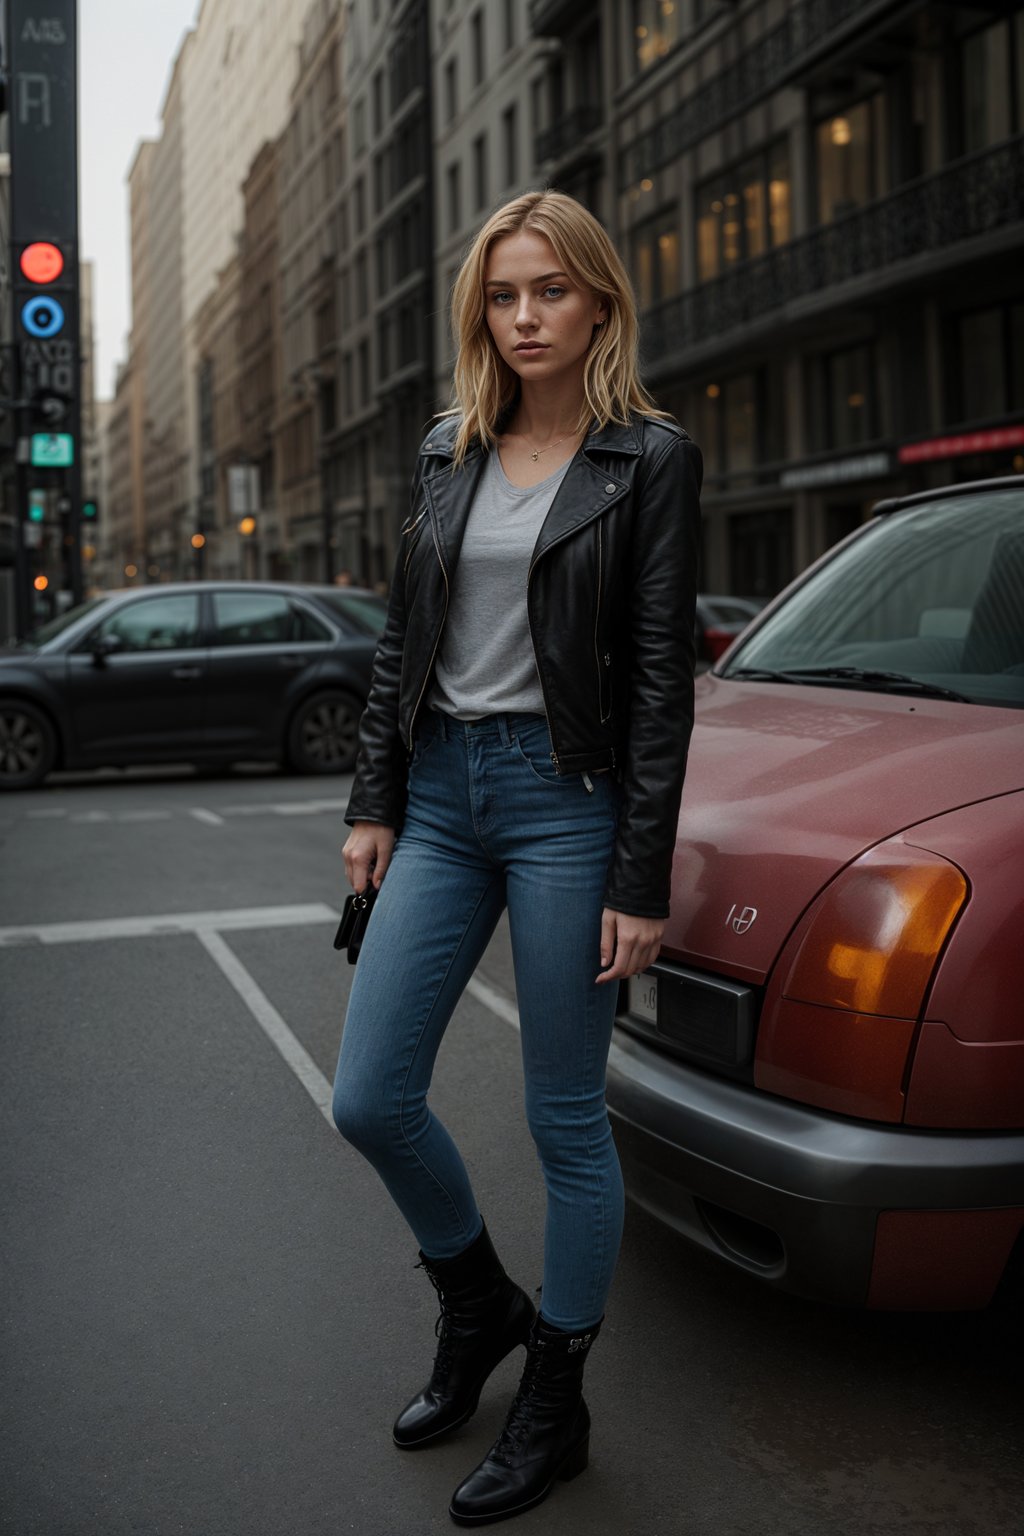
(822, 1078)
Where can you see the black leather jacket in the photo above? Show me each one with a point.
(610, 594)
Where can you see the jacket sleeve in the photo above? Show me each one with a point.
(663, 596)
(382, 766)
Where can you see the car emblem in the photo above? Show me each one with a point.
(741, 923)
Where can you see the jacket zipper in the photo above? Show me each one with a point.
(437, 639)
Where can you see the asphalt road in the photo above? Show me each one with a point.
(210, 1310)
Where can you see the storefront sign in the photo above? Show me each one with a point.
(864, 466)
(965, 442)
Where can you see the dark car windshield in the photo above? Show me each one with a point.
(37, 637)
(934, 593)
(364, 610)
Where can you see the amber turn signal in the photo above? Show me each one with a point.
(875, 934)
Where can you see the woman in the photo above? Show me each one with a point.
(524, 741)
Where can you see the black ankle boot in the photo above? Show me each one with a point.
(546, 1434)
(484, 1315)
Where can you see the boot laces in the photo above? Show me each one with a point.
(445, 1355)
(520, 1421)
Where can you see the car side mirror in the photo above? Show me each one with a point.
(103, 646)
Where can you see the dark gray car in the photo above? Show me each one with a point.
(197, 672)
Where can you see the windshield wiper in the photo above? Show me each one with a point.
(888, 682)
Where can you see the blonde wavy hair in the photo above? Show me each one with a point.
(485, 388)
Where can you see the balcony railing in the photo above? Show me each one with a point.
(565, 136)
(550, 18)
(780, 56)
(978, 195)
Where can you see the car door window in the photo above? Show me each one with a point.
(255, 618)
(154, 624)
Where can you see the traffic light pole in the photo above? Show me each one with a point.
(42, 81)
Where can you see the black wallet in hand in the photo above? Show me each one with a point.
(355, 915)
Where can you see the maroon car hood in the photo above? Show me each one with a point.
(786, 784)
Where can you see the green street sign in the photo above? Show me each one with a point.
(53, 450)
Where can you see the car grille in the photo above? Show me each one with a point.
(708, 1020)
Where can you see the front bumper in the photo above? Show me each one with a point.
(794, 1195)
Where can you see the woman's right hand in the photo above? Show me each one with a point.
(367, 853)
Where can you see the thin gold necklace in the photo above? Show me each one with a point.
(535, 453)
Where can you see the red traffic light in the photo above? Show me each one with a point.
(42, 262)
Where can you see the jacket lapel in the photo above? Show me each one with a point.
(450, 497)
(588, 488)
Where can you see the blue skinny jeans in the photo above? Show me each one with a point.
(490, 824)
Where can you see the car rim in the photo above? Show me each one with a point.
(329, 735)
(21, 744)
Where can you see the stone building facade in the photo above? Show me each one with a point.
(820, 206)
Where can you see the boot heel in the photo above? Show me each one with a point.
(577, 1462)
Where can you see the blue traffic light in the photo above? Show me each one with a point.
(43, 316)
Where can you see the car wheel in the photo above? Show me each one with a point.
(28, 745)
(324, 734)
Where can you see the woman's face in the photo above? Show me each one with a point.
(541, 319)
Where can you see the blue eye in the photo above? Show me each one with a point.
(499, 297)
(554, 288)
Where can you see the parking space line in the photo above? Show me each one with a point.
(174, 922)
(295, 1055)
(210, 817)
(498, 1004)
(285, 808)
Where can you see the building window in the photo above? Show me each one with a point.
(760, 552)
(745, 212)
(655, 27)
(988, 363)
(853, 158)
(656, 265)
(362, 287)
(360, 201)
(454, 185)
(739, 422)
(510, 25)
(451, 90)
(986, 101)
(378, 103)
(741, 448)
(510, 138)
(359, 125)
(480, 171)
(843, 412)
(476, 32)
(364, 373)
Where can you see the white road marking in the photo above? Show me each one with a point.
(494, 1000)
(174, 922)
(205, 926)
(270, 1021)
(210, 817)
(92, 816)
(48, 811)
(144, 816)
(286, 808)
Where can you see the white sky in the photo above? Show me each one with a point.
(125, 52)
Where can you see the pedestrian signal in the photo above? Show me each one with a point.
(43, 317)
(89, 509)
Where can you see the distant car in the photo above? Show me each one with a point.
(821, 1079)
(719, 621)
(199, 672)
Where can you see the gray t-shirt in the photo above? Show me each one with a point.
(485, 664)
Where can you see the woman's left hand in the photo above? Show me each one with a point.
(628, 944)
